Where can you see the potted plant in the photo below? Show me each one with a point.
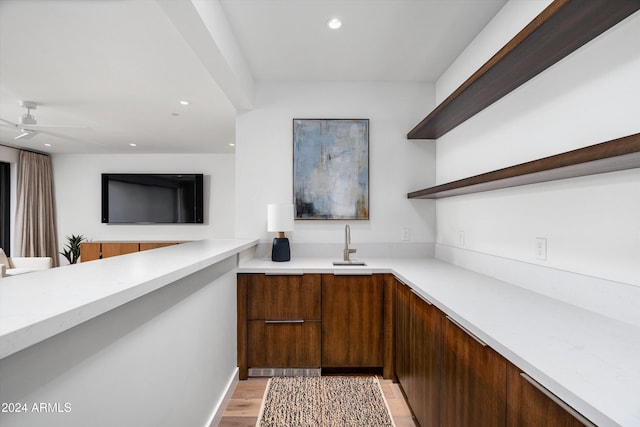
(72, 251)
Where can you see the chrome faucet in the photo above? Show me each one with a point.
(347, 241)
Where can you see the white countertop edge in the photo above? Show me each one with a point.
(403, 270)
(582, 406)
(20, 328)
(573, 400)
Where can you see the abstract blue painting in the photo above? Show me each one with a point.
(331, 168)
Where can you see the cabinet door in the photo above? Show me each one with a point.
(278, 321)
(284, 345)
(473, 381)
(283, 297)
(529, 407)
(352, 321)
(89, 251)
(402, 336)
(425, 361)
(115, 249)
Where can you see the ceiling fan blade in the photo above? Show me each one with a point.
(52, 127)
(26, 134)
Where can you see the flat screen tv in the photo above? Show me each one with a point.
(142, 198)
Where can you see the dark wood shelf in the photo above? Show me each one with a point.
(618, 154)
(564, 26)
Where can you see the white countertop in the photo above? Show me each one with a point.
(38, 305)
(590, 361)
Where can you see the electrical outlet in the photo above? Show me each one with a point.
(541, 248)
(405, 234)
(461, 238)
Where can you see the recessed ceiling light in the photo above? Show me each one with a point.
(184, 102)
(334, 23)
(231, 144)
(133, 145)
(47, 145)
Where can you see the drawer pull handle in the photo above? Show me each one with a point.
(471, 334)
(284, 273)
(353, 273)
(421, 297)
(283, 321)
(557, 400)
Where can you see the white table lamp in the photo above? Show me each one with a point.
(280, 220)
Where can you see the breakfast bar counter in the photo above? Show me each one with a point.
(140, 339)
(39, 305)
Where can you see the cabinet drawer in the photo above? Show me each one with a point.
(284, 345)
(283, 297)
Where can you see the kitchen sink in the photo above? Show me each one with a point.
(344, 263)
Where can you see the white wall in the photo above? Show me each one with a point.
(78, 198)
(591, 96)
(264, 163)
(512, 18)
(166, 359)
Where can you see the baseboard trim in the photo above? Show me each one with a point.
(218, 410)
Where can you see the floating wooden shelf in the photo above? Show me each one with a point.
(564, 26)
(614, 155)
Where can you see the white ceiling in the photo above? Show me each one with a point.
(380, 40)
(118, 68)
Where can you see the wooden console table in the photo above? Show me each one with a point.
(90, 251)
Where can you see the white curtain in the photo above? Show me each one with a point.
(35, 211)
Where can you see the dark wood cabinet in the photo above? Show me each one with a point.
(425, 360)
(283, 297)
(279, 321)
(528, 406)
(418, 346)
(284, 344)
(473, 381)
(314, 321)
(352, 321)
(450, 378)
(402, 337)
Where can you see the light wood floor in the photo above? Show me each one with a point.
(244, 405)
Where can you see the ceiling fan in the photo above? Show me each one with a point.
(28, 125)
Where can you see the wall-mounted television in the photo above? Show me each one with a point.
(151, 198)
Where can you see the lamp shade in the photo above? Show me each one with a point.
(279, 217)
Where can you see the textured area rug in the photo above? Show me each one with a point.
(324, 402)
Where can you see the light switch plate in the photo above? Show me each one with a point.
(541, 248)
(405, 234)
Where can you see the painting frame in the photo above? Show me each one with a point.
(331, 169)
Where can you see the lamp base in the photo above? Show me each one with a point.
(280, 251)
